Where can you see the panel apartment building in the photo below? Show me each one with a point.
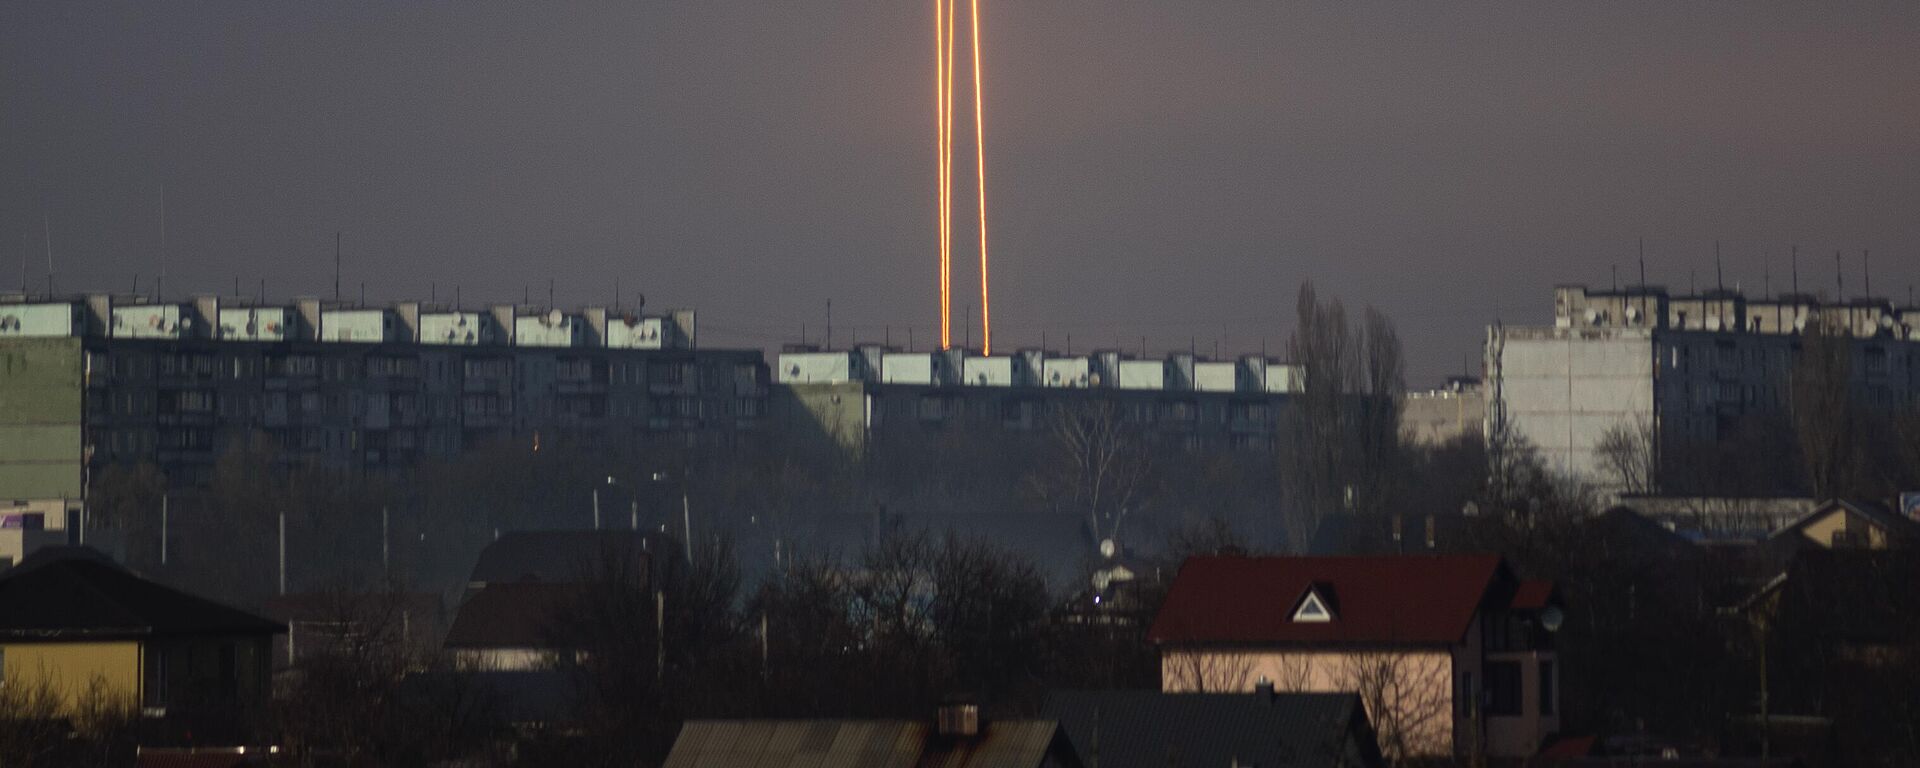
(1687, 367)
(1185, 400)
(100, 379)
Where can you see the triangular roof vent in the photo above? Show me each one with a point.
(1314, 608)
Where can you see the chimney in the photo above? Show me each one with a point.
(959, 719)
(1264, 690)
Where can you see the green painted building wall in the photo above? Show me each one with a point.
(42, 389)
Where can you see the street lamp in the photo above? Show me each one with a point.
(686, 512)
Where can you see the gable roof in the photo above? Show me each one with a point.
(864, 743)
(509, 615)
(60, 594)
(557, 557)
(1389, 599)
(1875, 515)
(1150, 728)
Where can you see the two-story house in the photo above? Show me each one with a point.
(1451, 654)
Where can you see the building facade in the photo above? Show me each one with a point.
(851, 396)
(1679, 368)
(111, 379)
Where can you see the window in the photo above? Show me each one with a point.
(1546, 688)
(1312, 610)
(1463, 701)
(1503, 688)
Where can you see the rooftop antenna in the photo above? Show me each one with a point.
(1796, 270)
(159, 284)
(1691, 290)
(263, 291)
(1866, 271)
(363, 293)
(433, 292)
(456, 297)
(1643, 263)
(336, 265)
(1766, 280)
(236, 287)
(1719, 277)
(23, 264)
(616, 294)
(1839, 279)
(1616, 278)
(549, 293)
(829, 324)
(46, 235)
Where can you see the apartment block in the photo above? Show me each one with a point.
(102, 379)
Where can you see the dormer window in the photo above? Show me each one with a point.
(1313, 608)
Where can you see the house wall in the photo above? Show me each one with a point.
(71, 668)
(1520, 735)
(503, 659)
(1418, 684)
(1821, 531)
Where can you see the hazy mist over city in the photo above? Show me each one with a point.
(1158, 169)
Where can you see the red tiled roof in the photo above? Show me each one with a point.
(1390, 599)
(1532, 595)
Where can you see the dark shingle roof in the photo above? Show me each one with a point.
(1388, 599)
(1150, 728)
(509, 615)
(62, 594)
(558, 556)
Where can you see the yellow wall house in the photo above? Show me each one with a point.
(94, 633)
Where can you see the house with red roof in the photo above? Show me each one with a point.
(1451, 654)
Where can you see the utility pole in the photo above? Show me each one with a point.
(163, 529)
(686, 519)
(336, 265)
(596, 509)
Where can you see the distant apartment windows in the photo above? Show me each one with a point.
(1503, 688)
(1876, 360)
(750, 407)
(487, 368)
(393, 366)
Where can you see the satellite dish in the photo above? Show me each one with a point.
(553, 317)
(1552, 618)
(1108, 548)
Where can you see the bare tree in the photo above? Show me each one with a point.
(1097, 467)
(1197, 670)
(1408, 697)
(1626, 454)
(1823, 414)
(1342, 431)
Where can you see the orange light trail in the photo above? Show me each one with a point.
(943, 126)
(980, 172)
(946, 31)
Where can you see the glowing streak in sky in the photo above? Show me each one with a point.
(943, 125)
(945, 32)
(980, 172)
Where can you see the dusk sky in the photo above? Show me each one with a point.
(1162, 168)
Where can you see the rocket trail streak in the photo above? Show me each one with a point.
(980, 173)
(940, 78)
(953, 28)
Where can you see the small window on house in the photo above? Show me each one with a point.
(1313, 609)
(1503, 688)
